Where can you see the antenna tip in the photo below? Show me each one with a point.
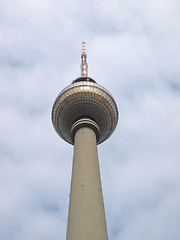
(83, 47)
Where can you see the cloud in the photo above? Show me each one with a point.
(133, 50)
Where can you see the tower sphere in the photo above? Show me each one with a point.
(84, 99)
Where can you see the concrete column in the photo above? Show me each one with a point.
(86, 219)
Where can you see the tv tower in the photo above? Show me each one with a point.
(85, 114)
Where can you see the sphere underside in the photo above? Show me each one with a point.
(84, 99)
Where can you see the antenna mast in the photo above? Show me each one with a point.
(84, 65)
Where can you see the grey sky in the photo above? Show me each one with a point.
(133, 50)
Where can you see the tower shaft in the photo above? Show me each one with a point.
(86, 219)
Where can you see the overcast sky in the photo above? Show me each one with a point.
(133, 50)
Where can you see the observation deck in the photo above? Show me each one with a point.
(84, 99)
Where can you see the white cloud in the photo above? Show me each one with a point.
(133, 50)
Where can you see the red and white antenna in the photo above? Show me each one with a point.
(84, 65)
